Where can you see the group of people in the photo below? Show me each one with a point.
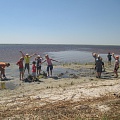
(36, 65)
(99, 64)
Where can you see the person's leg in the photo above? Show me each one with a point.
(51, 68)
(47, 70)
(25, 66)
(28, 68)
(20, 75)
(116, 73)
(39, 69)
(3, 72)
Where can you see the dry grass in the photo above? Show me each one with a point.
(88, 109)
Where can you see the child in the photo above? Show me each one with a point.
(49, 66)
(34, 69)
(39, 60)
(21, 67)
(116, 66)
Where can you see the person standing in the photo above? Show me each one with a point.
(116, 66)
(39, 61)
(98, 67)
(27, 60)
(34, 70)
(49, 64)
(109, 56)
(21, 67)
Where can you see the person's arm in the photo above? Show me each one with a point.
(17, 63)
(22, 54)
(43, 61)
(54, 60)
(32, 55)
(113, 55)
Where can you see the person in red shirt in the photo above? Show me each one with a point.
(34, 69)
(21, 67)
(2, 69)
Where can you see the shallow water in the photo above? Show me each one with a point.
(10, 52)
(63, 53)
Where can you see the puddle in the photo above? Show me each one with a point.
(8, 85)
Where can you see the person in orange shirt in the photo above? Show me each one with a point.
(2, 69)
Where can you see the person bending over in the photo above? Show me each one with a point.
(2, 69)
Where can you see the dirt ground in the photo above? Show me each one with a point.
(81, 96)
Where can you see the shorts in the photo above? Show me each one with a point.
(49, 67)
(21, 69)
(27, 66)
(38, 67)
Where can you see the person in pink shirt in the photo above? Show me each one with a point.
(49, 64)
(34, 69)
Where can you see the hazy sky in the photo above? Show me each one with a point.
(60, 22)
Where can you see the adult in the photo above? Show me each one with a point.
(49, 64)
(98, 67)
(27, 60)
(2, 69)
(109, 56)
(116, 66)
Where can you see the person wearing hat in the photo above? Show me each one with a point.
(38, 62)
(27, 60)
(116, 66)
(2, 69)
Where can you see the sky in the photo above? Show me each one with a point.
(88, 22)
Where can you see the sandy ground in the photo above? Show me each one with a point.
(79, 86)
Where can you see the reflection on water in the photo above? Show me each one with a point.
(8, 85)
(75, 56)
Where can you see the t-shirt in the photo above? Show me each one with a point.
(39, 62)
(27, 59)
(109, 57)
(33, 68)
(20, 63)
